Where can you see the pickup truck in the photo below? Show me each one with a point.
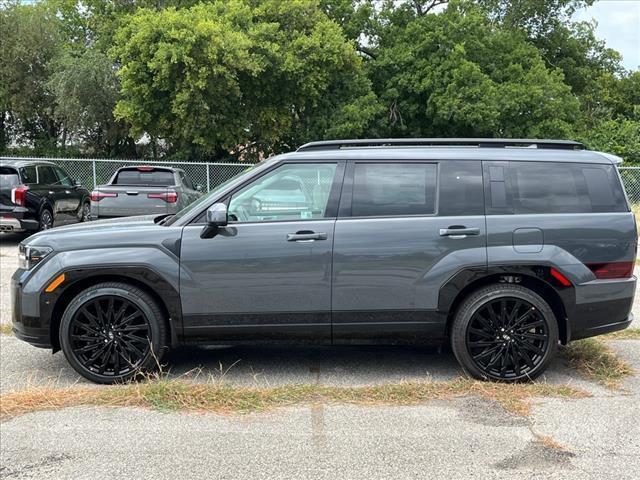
(143, 190)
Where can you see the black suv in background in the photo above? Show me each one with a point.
(37, 195)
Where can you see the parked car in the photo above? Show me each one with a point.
(37, 195)
(143, 190)
(502, 251)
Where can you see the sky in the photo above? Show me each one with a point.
(619, 26)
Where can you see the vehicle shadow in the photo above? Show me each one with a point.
(11, 239)
(343, 365)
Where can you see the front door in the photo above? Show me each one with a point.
(267, 275)
(404, 229)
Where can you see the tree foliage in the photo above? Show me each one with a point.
(212, 79)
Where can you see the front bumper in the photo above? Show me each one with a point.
(29, 328)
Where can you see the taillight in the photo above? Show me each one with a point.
(612, 269)
(96, 196)
(169, 197)
(19, 195)
(145, 169)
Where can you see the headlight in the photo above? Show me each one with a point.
(30, 256)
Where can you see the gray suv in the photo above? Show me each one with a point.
(143, 190)
(504, 248)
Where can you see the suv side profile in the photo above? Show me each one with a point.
(503, 251)
(38, 195)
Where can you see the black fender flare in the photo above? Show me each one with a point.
(52, 304)
(537, 277)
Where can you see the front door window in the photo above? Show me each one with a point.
(290, 192)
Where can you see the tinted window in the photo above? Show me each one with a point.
(159, 178)
(461, 189)
(46, 175)
(28, 175)
(290, 192)
(64, 179)
(393, 189)
(548, 187)
(8, 178)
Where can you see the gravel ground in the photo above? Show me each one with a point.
(599, 437)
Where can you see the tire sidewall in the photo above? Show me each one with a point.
(480, 298)
(147, 308)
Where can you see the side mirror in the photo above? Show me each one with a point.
(217, 215)
(198, 187)
(77, 183)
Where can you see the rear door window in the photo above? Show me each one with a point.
(46, 175)
(393, 189)
(152, 178)
(461, 188)
(552, 187)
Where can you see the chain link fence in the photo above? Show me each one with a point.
(631, 179)
(91, 172)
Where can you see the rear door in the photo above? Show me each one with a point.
(267, 275)
(52, 191)
(404, 228)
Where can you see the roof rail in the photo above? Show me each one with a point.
(443, 142)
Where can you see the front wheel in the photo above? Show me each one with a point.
(113, 331)
(505, 333)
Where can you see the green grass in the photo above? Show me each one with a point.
(593, 359)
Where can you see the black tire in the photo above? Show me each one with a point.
(46, 219)
(95, 323)
(84, 213)
(504, 333)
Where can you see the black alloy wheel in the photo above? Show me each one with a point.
(46, 220)
(113, 331)
(110, 336)
(505, 333)
(507, 338)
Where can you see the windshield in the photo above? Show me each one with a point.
(205, 198)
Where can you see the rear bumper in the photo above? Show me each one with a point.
(10, 222)
(602, 306)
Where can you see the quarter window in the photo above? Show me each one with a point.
(383, 189)
(290, 192)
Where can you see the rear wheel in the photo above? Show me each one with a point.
(46, 220)
(504, 332)
(111, 332)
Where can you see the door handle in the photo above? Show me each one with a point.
(51, 192)
(305, 236)
(456, 231)
(68, 192)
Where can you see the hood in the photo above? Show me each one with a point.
(139, 229)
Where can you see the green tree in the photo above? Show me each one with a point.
(86, 89)
(455, 74)
(31, 38)
(222, 77)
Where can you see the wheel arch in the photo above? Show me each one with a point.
(535, 277)
(146, 279)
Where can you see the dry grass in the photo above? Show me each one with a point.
(627, 334)
(551, 443)
(593, 359)
(5, 329)
(178, 395)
